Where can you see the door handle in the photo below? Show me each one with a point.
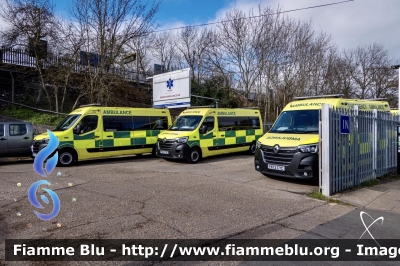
(109, 136)
(3, 139)
(222, 135)
(96, 137)
(26, 138)
(214, 136)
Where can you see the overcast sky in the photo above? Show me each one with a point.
(351, 24)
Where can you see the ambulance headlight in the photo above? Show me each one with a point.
(45, 141)
(182, 140)
(258, 145)
(312, 148)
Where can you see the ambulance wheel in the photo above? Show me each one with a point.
(194, 155)
(252, 149)
(66, 157)
(153, 152)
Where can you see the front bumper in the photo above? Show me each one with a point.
(172, 149)
(302, 165)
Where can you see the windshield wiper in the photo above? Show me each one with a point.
(305, 132)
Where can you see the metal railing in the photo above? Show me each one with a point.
(367, 152)
(18, 57)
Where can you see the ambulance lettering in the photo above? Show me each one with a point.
(191, 112)
(116, 112)
(286, 138)
(305, 104)
(226, 113)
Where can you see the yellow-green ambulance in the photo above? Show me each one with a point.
(93, 132)
(290, 147)
(203, 132)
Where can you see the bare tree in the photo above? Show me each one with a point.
(106, 28)
(367, 70)
(275, 30)
(193, 44)
(164, 50)
(32, 25)
(141, 46)
(239, 40)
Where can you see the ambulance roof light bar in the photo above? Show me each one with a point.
(377, 99)
(92, 104)
(317, 97)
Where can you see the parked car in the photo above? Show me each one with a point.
(16, 139)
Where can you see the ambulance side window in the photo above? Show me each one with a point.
(209, 122)
(88, 123)
(117, 123)
(141, 123)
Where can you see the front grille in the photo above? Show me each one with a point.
(36, 145)
(283, 157)
(165, 145)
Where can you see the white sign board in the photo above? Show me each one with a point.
(172, 89)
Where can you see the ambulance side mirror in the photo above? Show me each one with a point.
(203, 129)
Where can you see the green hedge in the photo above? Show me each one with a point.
(32, 116)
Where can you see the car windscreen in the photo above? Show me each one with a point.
(68, 122)
(297, 122)
(186, 123)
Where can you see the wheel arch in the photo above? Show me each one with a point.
(68, 147)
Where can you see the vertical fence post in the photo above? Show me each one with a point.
(325, 157)
(356, 142)
(375, 142)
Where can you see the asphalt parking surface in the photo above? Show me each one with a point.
(151, 198)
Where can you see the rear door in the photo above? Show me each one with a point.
(19, 139)
(3, 141)
(157, 125)
(142, 139)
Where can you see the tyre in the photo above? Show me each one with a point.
(194, 155)
(252, 149)
(67, 157)
(153, 152)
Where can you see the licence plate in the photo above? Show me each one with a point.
(164, 152)
(276, 167)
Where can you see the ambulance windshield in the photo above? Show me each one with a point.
(297, 122)
(186, 123)
(68, 122)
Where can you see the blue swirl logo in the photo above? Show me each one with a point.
(32, 198)
(44, 153)
(50, 164)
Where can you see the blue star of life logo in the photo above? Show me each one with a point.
(170, 83)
